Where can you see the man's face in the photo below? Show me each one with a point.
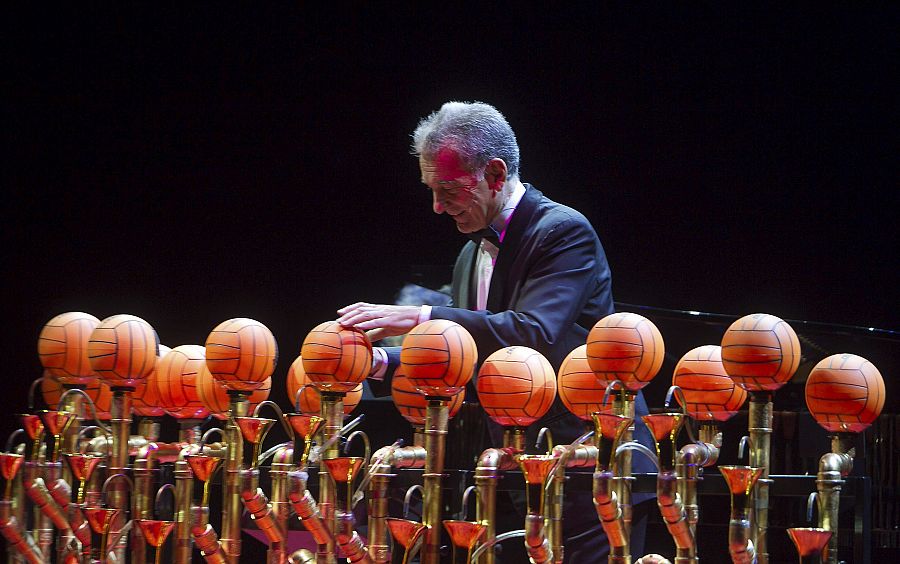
(463, 194)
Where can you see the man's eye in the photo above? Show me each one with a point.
(448, 190)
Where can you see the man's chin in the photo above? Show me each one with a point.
(461, 226)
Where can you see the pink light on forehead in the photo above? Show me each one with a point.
(449, 165)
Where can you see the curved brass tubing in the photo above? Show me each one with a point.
(834, 466)
(256, 502)
(207, 541)
(51, 513)
(380, 473)
(488, 470)
(306, 508)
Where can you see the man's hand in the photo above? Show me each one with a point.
(379, 320)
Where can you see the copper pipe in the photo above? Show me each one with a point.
(305, 506)
(554, 513)
(13, 510)
(148, 428)
(624, 405)
(611, 481)
(692, 459)
(231, 483)
(380, 473)
(436, 422)
(50, 513)
(343, 470)
(379, 545)
(17, 501)
(710, 440)
(488, 470)
(281, 509)
(102, 445)
(61, 493)
(120, 410)
(673, 481)
(610, 512)
(348, 539)
(118, 541)
(741, 481)
(81, 528)
(147, 458)
(537, 470)
(141, 504)
(760, 431)
(209, 545)
(41, 497)
(834, 466)
(256, 502)
(607, 488)
(76, 524)
(19, 541)
(582, 456)
(73, 401)
(554, 487)
(675, 517)
(184, 504)
(332, 406)
(419, 435)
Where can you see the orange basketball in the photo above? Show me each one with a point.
(63, 344)
(123, 350)
(51, 390)
(241, 353)
(101, 394)
(708, 390)
(335, 358)
(760, 352)
(145, 398)
(215, 396)
(516, 386)
(412, 404)
(625, 346)
(845, 393)
(309, 398)
(439, 357)
(579, 389)
(176, 378)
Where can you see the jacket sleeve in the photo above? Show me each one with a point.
(382, 388)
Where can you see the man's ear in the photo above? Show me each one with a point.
(495, 174)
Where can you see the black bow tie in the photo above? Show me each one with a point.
(487, 234)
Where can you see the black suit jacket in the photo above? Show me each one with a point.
(551, 283)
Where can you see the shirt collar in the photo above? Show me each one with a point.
(501, 222)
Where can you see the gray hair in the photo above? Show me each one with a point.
(478, 132)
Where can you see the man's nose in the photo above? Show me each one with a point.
(436, 204)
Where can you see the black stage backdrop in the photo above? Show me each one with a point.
(193, 164)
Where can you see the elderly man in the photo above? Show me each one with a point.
(534, 274)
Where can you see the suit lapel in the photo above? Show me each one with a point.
(463, 276)
(498, 295)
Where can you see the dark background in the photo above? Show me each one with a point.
(195, 164)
